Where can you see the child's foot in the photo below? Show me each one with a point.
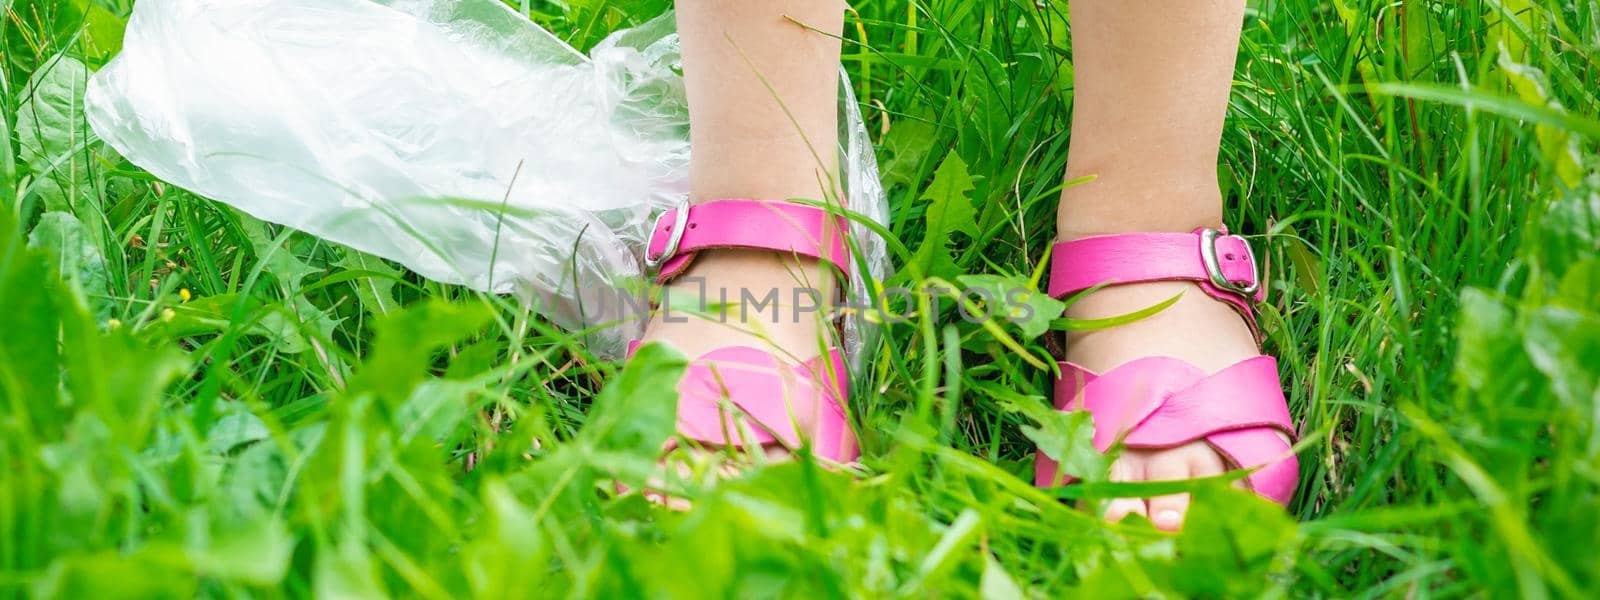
(748, 298)
(742, 282)
(745, 282)
(1197, 329)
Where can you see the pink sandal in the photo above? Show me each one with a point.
(776, 400)
(1162, 402)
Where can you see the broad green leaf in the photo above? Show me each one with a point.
(1564, 344)
(236, 427)
(254, 478)
(1066, 437)
(1507, 17)
(907, 146)
(1423, 37)
(937, 262)
(949, 208)
(81, 479)
(948, 211)
(77, 259)
(1487, 332)
(346, 573)
(1232, 539)
(1014, 300)
(48, 25)
(1580, 287)
(298, 313)
(1358, 25)
(1569, 232)
(1307, 267)
(435, 409)
(1559, 147)
(637, 411)
(276, 253)
(945, 554)
(29, 348)
(510, 541)
(376, 287)
(110, 574)
(103, 31)
(405, 343)
(256, 552)
(52, 136)
(215, 314)
(118, 375)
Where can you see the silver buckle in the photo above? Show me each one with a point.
(1208, 255)
(680, 222)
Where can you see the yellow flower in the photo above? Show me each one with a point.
(183, 294)
(167, 314)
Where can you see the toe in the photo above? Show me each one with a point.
(1126, 468)
(1167, 512)
(1204, 461)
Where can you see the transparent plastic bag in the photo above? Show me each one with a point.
(452, 136)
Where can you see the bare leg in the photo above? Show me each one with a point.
(763, 108)
(746, 145)
(1153, 78)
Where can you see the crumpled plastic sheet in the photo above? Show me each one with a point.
(452, 136)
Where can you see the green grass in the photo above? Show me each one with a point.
(196, 403)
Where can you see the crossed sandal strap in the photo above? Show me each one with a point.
(1161, 402)
(746, 397)
(1223, 265)
(782, 227)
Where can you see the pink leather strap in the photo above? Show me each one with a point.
(783, 227)
(742, 396)
(1162, 402)
(1139, 257)
(746, 397)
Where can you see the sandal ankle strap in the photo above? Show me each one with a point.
(1223, 265)
(782, 227)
